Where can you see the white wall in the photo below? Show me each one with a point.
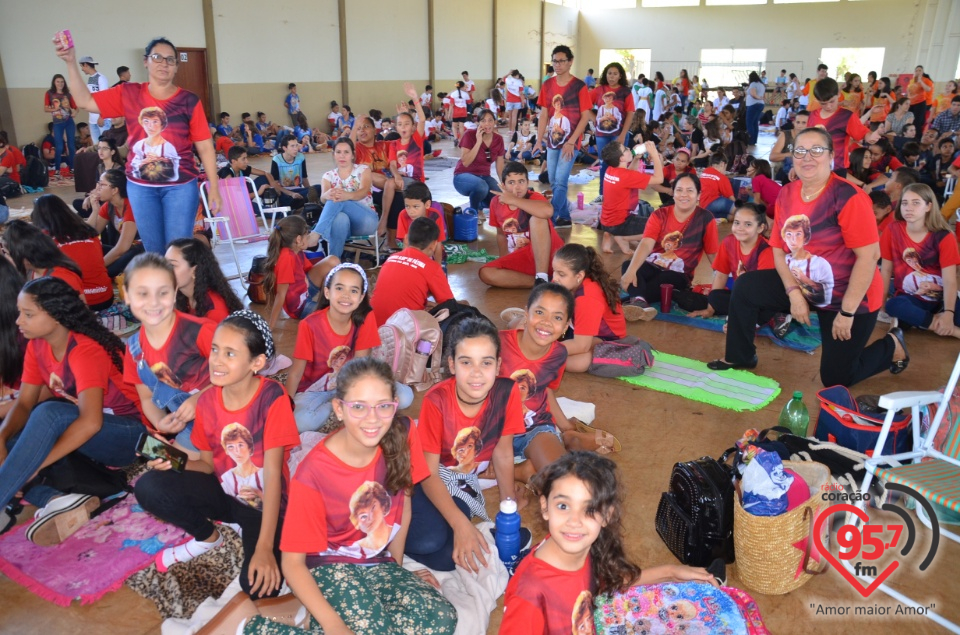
(518, 38)
(386, 40)
(462, 33)
(561, 26)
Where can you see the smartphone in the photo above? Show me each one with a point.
(63, 39)
(151, 448)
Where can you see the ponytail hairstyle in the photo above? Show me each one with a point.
(284, 233)
(256, 332)
(393, 445)
(26, 243)
(65, 306)
(556, 289)
(759, 211)
(359, 315)
(54, 217)
(612, 570)
(11, 354)
(471, 327)
(207, 277)
(587, 260)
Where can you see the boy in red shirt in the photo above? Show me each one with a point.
(841, 123)
(622, 182)
(525, 234)
(882, 209)
(418, 203)
(409, 277)
(716, 191)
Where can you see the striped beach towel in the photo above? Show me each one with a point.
(737, 390)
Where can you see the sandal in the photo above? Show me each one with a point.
(898, 367)
(606, 442)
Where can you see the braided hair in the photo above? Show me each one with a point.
(62, 303)
(257, 334)
(208, 277)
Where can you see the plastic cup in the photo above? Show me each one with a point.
(666, 298)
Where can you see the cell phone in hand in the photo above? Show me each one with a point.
(64, 40)
(150, 447)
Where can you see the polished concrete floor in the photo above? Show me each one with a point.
(657, 430)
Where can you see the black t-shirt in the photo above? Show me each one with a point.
(227, 172)
(696, 138)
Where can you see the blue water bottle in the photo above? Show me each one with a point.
(508, 535)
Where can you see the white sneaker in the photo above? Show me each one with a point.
(884, 317)
(185, 552)
(61, 518)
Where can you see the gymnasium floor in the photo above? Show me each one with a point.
(657, 430)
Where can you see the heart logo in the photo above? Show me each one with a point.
(818, 541)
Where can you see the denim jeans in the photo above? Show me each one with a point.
(340, 220)
(601, 144)
(558, 170)
(66, 128)
(720, 207)
(754, 113)
(163, 213)
(430, 539)
(313, 408)
(913, 311)
(527, 155)
(480, 189)
(113, 445)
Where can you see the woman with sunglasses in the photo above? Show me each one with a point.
(826, 220)
(162, 177)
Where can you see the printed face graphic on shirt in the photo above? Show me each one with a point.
(582, 616)
(919, 282)
(814, 274)
(154, 158)
(465, 448)
(245, 480)
(609, 117)
(668, 259)
(164, 374)
(369, 507)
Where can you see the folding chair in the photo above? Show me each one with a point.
(949, 185)
(935, 474)
(235, 221)
(364, 245)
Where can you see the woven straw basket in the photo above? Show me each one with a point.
(767, 560)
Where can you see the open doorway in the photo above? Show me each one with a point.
(852, 60)
(634, 61)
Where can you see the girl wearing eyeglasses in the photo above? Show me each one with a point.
(828, 223)
(162, 183)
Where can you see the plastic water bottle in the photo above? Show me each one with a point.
(794, 415)
(508, 535)
(580, 200)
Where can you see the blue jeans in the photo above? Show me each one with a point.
(163, 213)
(558, 171)
(913, 311)
(601, 144)
(753, 122)
(113, 445)
(66, 128)
(720, 207)
(312, 409)
(480, 189)
(430, 540)
(527, 155)
(340, 220)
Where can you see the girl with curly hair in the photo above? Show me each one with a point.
(202, 289)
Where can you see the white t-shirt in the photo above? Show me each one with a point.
(658, 103)
(96, 83)
(426, 99)
(782, 115)
(514, 86)
(720, 102)
(469, 86)
(642, 98)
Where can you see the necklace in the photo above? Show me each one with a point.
(809, 197)
(468, 403)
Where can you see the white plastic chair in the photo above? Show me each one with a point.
(937, 478)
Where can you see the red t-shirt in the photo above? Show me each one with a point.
(223, 145)
(731, 260)
(533, 376)
(377, 157)
(576, 101)
(594, 316)
(183, 361)
(168, 158)
(486, 156)
(414, 149)
(768, 190)
(544, 600)
(515, 223)
(885, 222)
(85, 365)
(621, 194)
(713, 185)
(240, 438)
(435, 213)
(843, 127)
(442, 421)
(839, 220)
(219, 312)
(12, 159)
(406, 280)
(670, 174)
(923, 276)
(344, 513)
(118, 219)
(75, 282)
(88, 254)
(292, 269)
(610, 118)
(697, 236)
(322, 348)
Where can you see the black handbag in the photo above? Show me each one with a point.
(695, 517)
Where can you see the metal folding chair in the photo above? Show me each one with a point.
(235, 221)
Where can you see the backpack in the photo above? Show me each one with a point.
(31, 150)
(695, 517)
(411, 342)
(34, 174)
(9, 188)
(255, 290)
(627, 357)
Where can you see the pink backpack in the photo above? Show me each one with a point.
(411, 342)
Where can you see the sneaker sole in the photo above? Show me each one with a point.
(638, 314)
(55, 528)
(239, 609)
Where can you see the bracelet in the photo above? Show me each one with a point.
(846, 313)
(790, 290)
(949, 311)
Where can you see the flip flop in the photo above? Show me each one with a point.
(606, 442)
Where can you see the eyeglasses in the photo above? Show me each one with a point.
(157, 58)
(563, 61)
(816, 152)
(360, 409)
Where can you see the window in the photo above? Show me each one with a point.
(646, 4)
(800, 1)
(634, 61)
(855, 60)
(717, 3)
(728, 67)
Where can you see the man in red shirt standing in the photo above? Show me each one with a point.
(577, 110)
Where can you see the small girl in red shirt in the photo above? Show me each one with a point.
(583, 554)
(35, 255)
(202, 289)
(244, 431)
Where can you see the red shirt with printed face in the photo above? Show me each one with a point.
(292, 269)
(679, 246)
(239, 439)
(325, 351)
(544, 600)
(377, 157)
(819, 237)
(515, 223)
(183, 361)
(611, 117)
(572, 100)
(85, 365)
(406, 280)
(594, 317)
(731, 261)
(533, 376)
(918, 266)
(465, 444)
(621, 194)
(344, 513)
(414, 156)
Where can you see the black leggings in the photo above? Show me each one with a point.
(759, 295)
(649, 279)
